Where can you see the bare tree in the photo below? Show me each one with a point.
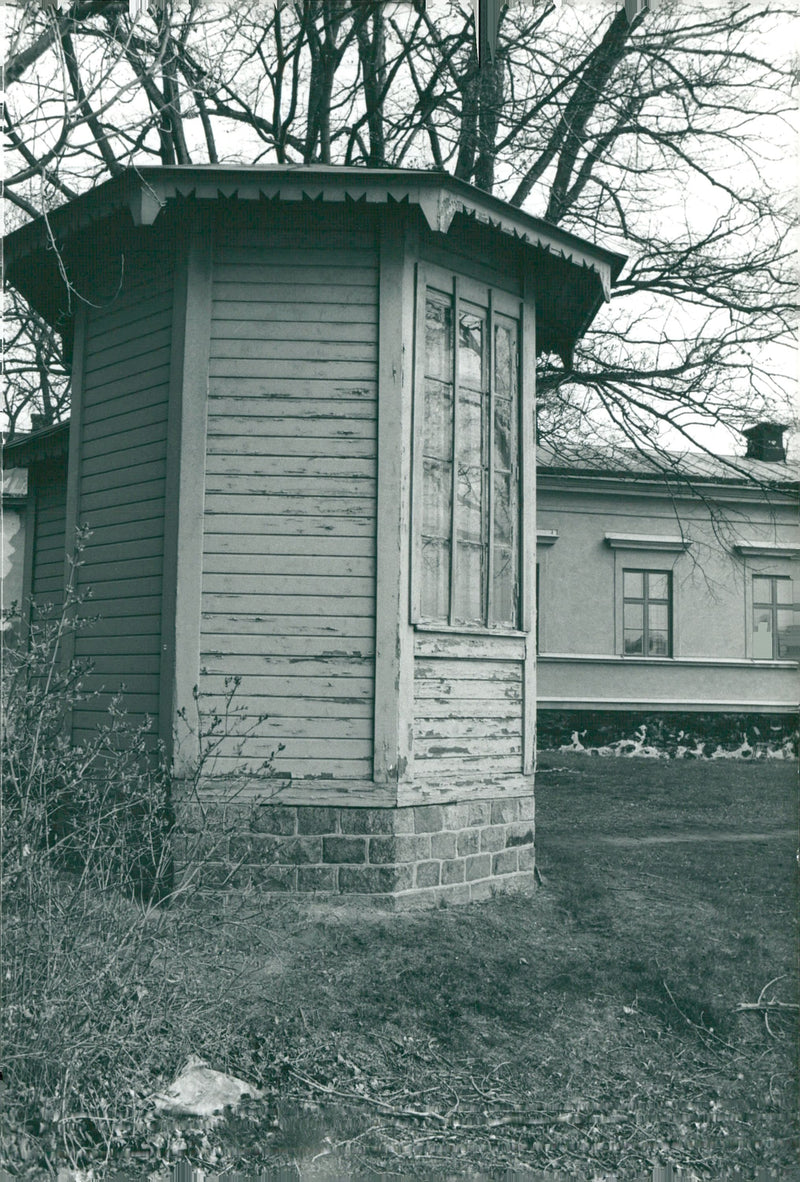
(661, 138)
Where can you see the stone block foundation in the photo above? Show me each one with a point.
(414, 856)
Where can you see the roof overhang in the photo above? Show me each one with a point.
(49, 443)
(141, 195)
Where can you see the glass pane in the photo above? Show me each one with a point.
(658, 585)
(436, 499)
(784, 589)
(438, 424)
(633, 616)
(632, 584)
(469, 517)
(439, 338)
(657, 617)
(470, 427)
(633, 641)
(762, 633)
(470, 358)
(503, 434)
(788, 634)
(435, 579)
(504, 510)
(503, 606)
(658, 644)
(470, 583)
(762, 590)
(504, 383)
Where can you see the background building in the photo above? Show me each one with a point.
(671, 595)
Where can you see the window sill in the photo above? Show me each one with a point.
(468, 630)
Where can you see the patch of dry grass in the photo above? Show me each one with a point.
(590, 1030)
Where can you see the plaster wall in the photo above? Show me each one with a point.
(580, 595)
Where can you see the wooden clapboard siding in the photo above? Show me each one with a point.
(468, 713)
(289, 542)
(120, 489)
(48, 483)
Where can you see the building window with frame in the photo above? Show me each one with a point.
(467, 399)
(776, 629)
(647, 613)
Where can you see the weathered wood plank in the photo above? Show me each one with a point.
(329, 389)
(258, 397)
(345, 769)
(253, 667)
(289, 312)
(263, 291)
(491, 766)
(429, 711)
(299, 506)
(245, 633)
(458, 671)
(254, 687)
(468, 728)
(316, 567)
(464, 746)
(303, 370)
(281, 706)
(433, 789)
(270, 332)
(221, 547)
(227, 651)
(219, 521)
(258, 567)
(276, 356)
(286, 488)
(291, 450)
(446, 690)
(469, 648)
(312, 254)
(289, 605)
(304, 271)
(313, 733)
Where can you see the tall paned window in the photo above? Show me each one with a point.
(776, 629)
(469, 439)
(647, 613)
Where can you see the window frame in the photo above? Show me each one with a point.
(774, 606)
(496, 305)
(645, 600)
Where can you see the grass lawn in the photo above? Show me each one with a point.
(590, 1030)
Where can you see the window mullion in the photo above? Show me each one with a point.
(454, 466)
(489, 501)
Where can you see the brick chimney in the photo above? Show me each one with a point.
(765, 442)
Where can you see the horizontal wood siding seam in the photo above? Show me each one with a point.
(289, 535)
